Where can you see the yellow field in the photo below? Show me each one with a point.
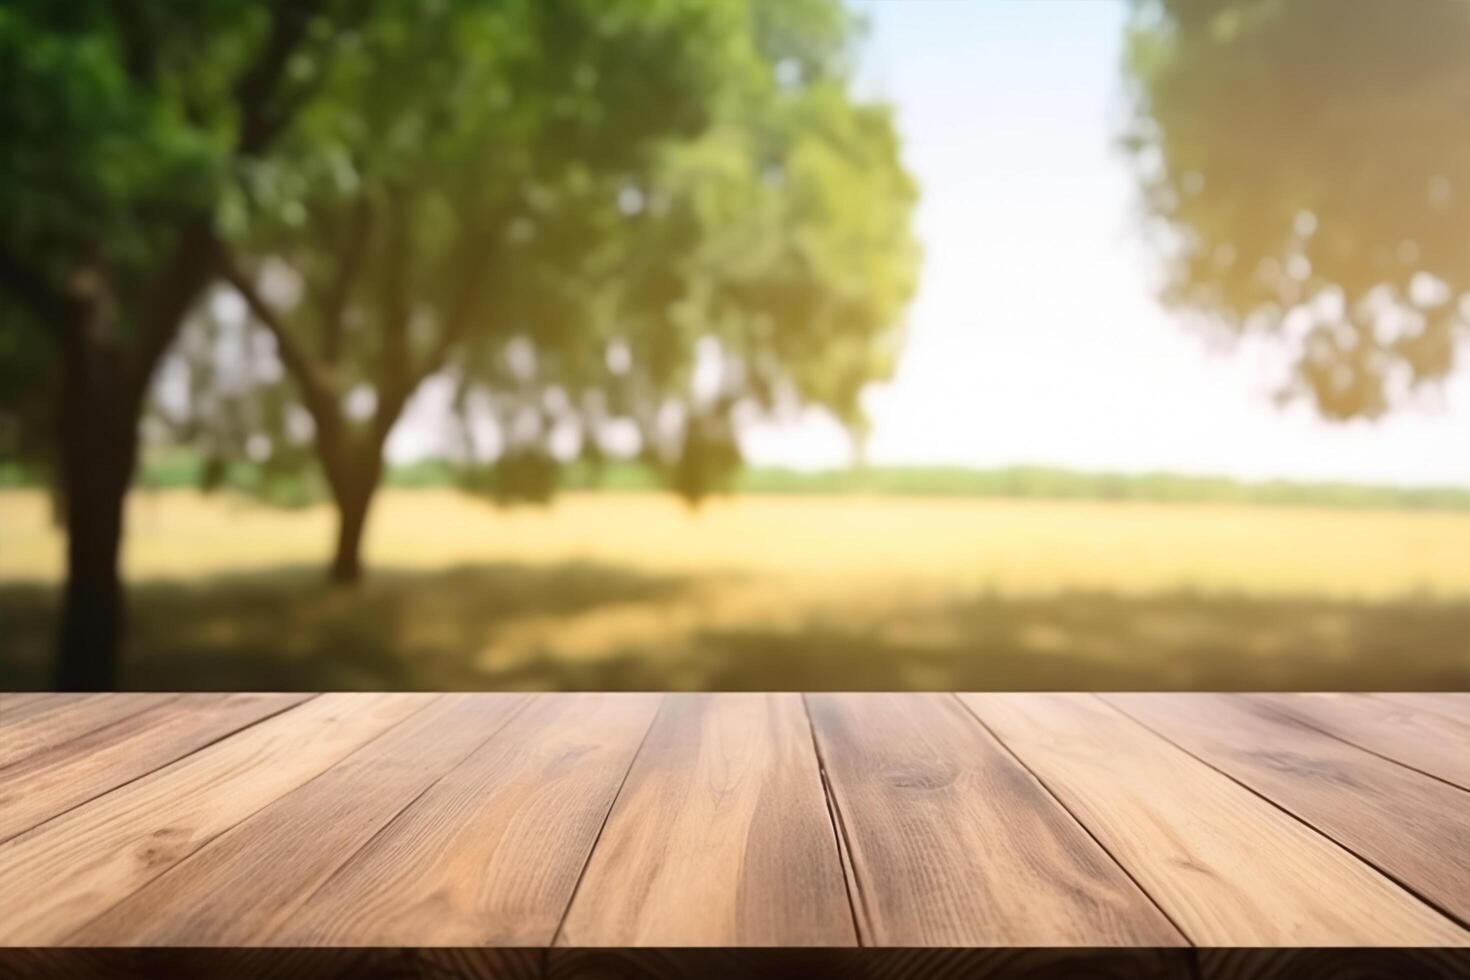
(1008, 546)
(609, 590)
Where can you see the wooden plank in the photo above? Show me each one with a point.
(15, 705)
(1229, 867)
(1407, 824)
(13, 702)
(491, 854)
(1452, 704)
(54, 780)
(954, 843)
(17, 708)
(76, 866)
(1415, 736)
(721, 836)
(35, 729)
(241, 887)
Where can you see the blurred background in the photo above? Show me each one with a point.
(735, 344)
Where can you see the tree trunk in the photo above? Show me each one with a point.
(99, 448)
(353, 489)
(104, 381)
(352, 511)
(92, 612)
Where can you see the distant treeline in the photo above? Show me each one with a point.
(1050, 483)
(181, 470)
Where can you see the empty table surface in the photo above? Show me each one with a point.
(750, 819)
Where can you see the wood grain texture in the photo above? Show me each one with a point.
(53, 780)
(243, 886)
(721, 836)
(14, 703)
(1030, 826)
(61, 874)
(953, 843)
(491, 854)
(38, 726)
(1453, 705)
(1414, 735)
(1229, 867)
(1411, 826)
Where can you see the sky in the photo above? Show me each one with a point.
(1035, 336)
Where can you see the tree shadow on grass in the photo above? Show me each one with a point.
(1096, 641)
(1070, 641)
(286, 629)
(448, 630)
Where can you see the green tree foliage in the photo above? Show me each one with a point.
(771, 255)
(124, 126)
(569, 201)
(438, 177)
(1308, 162)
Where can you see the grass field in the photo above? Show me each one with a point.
(618, 591)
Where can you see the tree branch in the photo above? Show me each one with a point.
(169, 296)
(266, 106)
(402, 377)
(470, 275)
(191, 264)
(456, 325)
(334, 304)
(137, 47)
(396, 378)
(397, 249)
(318, 391)
(340, 456)
(258, 88)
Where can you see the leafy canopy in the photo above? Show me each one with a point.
(124, 121)
(127, 126)
(1308, 164)
(561, 204)
(761, 263)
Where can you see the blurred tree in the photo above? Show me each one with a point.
(430, 213)
(124, 125)
(1309, 166)
(764, 265)
(570, 199)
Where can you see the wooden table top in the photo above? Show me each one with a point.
(586, 820)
